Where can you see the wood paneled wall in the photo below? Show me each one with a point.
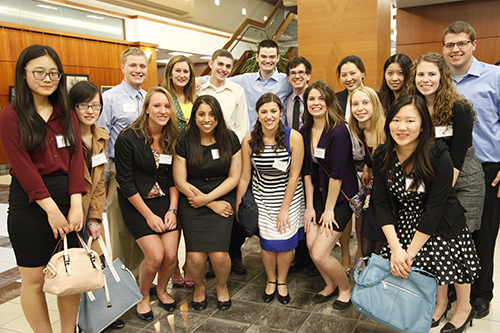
(332, 29)
(80, 54)
(420, 28)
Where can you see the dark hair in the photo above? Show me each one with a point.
(418, 164)
(333, 115)
(386, 94)
(83, 92)
(296, 61)
(190, 87)
(257, 134)
(222, 53)
(355, 60)
(221, 133)
(31, 126)
(458, 27)
(267, 43)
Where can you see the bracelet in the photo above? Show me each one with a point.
(412, 258)
(91, 223)
(174, 211)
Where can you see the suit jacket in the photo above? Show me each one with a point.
(136, 170)
(342, 97)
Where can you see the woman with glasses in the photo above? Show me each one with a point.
(396, 74)
(41, 137)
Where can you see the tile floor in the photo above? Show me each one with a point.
(248, 313)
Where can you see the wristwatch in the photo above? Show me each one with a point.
(173, 211)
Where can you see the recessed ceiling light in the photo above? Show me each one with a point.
(181, 53)
(217, 2)
(95, 17)
(47, 7)
(206, 57)
(265, 18)
(243, 11)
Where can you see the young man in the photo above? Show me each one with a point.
(479, 83)
(121, 106)
(298, 73)
(230, 95)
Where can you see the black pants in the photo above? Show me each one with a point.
(237, 240)
(485, 237)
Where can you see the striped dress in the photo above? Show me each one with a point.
(269, 182)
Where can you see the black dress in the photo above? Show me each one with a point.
(204, 230)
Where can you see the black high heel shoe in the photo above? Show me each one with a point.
(283, 299)
(168, 306)
(268, 297)
(435, 323)
(450, 328)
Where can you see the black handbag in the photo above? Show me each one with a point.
(248, 213)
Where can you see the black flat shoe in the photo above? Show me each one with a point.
(283, 299)
(481, 306)
(435, 323)
(148, 316)
(339, 305)
(116, 325)
(318, 298)
(224, 305)
(200, 305)
(450, 328)
(168, 306)
(268, 297)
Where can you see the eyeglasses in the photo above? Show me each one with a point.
(461, 45)
(85, 106)
(300, 73)
(40, 75)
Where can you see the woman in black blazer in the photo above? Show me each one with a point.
(147, 194)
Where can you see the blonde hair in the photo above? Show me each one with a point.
(132, 51)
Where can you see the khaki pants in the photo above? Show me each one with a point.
(123, 245)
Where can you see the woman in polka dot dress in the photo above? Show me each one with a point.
(417, 209)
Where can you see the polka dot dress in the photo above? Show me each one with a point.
(451, 260)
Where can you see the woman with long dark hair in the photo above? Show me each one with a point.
(419, 212)
(41, 137)
(207, 168)
(396, 75)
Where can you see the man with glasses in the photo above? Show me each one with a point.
(298, 73)
(480, 83)
(122, 105)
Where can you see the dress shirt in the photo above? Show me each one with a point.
(47, 160)
(481, 86)
(290, 102)
(120, 108)
(231, 97)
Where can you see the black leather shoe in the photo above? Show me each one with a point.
(481, 306)
(435, 323)
(148, 316)
(318, 298)
(168, 306)
(450, 328)
(339, 305)
(200, 305)
(116, 325)
(224, 305)
(268, 297)
(283, 299)
(237, 267)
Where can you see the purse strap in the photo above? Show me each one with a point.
(107, 257)
(345, 196)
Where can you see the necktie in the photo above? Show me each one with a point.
(296, 113)
(138, 102)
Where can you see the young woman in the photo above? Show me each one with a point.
(41, 137)
(277, 153)
(147, 196)
(396, 74)
(367, 123)
(329, 178)
(206, 171)
(419, 212)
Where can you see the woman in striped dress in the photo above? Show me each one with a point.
(276, 153)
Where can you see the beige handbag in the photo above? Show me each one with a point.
(73, 271)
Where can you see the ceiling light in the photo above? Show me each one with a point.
(217, 2)
(243, 11)
(95, 17)
(206, 58)
(265, 18)
(181, 53)
(47, 7)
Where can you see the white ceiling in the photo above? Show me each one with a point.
(416, 3)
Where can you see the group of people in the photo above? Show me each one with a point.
(181, 156)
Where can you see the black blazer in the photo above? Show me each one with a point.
(443, 213)
(136, 170)
(342, 97)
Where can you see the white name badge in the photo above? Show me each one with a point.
(61, 143)
(98, 159)
(443, 131)
(165, 159)
(319, 153)
(280, 165)
(420, 189)
(215, 154)
(129, 108)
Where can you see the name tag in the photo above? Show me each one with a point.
(409, 180)
(215, 154)
(61, 142)
(280, 165)
(319, 153)
(165, 159)
(443, 131)
(98, 159)
(129, 108)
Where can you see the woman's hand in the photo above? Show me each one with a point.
(156, 223)
(58, 223)
(327, 221)
(366, 176)
(170, 221)
(282, 221)
(400, 263)
(75, 218)
(309, 218)
(94, 228)
(198, 199)
(221, 207)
